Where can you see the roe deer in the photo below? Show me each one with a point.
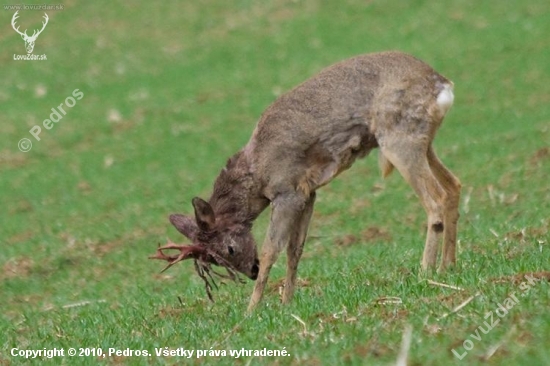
(311, 134)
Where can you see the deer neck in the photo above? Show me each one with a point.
(236, 197)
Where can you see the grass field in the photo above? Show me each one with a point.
(172, 89)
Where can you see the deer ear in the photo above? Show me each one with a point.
(185, 225)
(204, 214)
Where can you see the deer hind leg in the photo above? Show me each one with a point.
(285, 217)
(295, 249)
(452, 186)
(409, 155)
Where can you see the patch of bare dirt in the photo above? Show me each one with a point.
(17, 268)
(374, 233)
(20, 237)
(369, 235)
(521, 277)
(528, 233)
(540, 155)
(347, 240)
(21, 207)
(84, 187)
(13, 158)
(373, 348)
(278, 285)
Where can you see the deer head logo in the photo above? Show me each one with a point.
(29, 40)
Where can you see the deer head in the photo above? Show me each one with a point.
(29, 40)
(230, 242)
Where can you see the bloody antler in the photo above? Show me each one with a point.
(203, 258)
(186, 251)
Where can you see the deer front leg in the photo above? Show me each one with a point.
(295, 249)
(286, 212)
(451, 185)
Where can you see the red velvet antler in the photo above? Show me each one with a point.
(186, 251)
(203, 258)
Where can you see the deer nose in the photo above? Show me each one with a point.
(254, 271)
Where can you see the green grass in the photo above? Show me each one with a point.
(171, 89)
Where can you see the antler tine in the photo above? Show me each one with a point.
(186, 251)
(203, 258)
(13, 19)
(43, 25)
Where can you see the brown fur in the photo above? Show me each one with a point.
(317, 130)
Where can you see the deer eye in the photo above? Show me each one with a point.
(231, 250)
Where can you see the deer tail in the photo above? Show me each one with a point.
(386, 167)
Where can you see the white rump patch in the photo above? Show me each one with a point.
(445, 98)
